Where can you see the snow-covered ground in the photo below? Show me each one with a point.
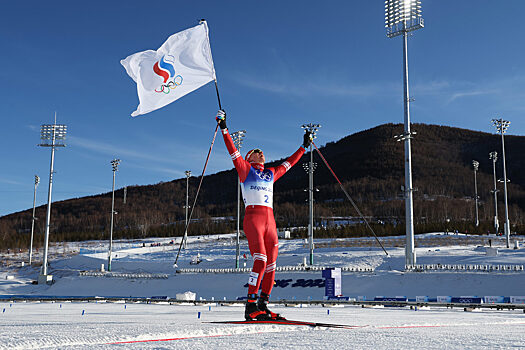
(31, 325)
(148, 326)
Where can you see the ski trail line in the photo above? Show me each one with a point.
(178, 338)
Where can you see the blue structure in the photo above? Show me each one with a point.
(332, 287)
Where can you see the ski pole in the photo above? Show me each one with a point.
(197, 194)
(349, 198)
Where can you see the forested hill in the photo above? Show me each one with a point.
(369, 163)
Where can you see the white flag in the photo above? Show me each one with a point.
(182, 64)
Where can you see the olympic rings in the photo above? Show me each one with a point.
(166, 88)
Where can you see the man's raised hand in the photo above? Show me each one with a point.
(221, 118)
(307, 139)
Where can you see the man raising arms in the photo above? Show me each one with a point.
(259, 222)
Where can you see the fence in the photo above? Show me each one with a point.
(478, 268)
(124, 275)
(279, 268)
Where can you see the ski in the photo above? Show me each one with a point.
(290, 323)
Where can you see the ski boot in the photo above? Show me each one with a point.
(252, 312)
(262, 304)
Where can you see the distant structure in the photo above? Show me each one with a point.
(238, 138)
(402, 17)
(52, 135)
(501, 127)
(475, 165)
(114, 166)
(494, 157)
(310, 168)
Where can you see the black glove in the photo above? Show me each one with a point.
(307, 139)
(221, 118)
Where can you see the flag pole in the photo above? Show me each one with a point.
(218, 96)
(202, 21)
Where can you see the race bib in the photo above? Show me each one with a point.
(257, 189)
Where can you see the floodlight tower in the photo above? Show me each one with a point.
(52, 135)
(475, 165)
(310, 168)
(312, 128)
(114, 165)
(494, 156)
(402, 17)
(238, 137)
(501, 127)
(188, 175)
(37, 181)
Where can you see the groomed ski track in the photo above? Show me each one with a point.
(153, 326)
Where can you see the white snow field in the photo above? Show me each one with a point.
(64, 325)
(150, 326)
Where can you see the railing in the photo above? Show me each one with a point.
(279, 268)
(124, 275)
(455, 267)
(413, 268)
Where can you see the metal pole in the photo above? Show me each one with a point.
(410, 255)
(310, 167)
(37, 180)
(238, 137)
(185, 238)
(187, 203)
(506, 225)
(112, 213)
(238, 238)
(311, 205)
(496, 222)
(48, 215)
(476, 194)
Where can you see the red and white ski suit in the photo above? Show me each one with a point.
(259, 223)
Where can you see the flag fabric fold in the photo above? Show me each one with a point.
(181, 65)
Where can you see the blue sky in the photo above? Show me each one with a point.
(279, 64)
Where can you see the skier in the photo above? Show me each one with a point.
(259, 223)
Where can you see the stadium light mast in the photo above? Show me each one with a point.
(114, 165)
(238, 137)
(475, 165)
(52, 135)
(402, 17)
(188, 175)
(494, 156)
(501, 127)
(312, 128)
(37, 181)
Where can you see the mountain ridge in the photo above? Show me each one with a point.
(369, 163)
